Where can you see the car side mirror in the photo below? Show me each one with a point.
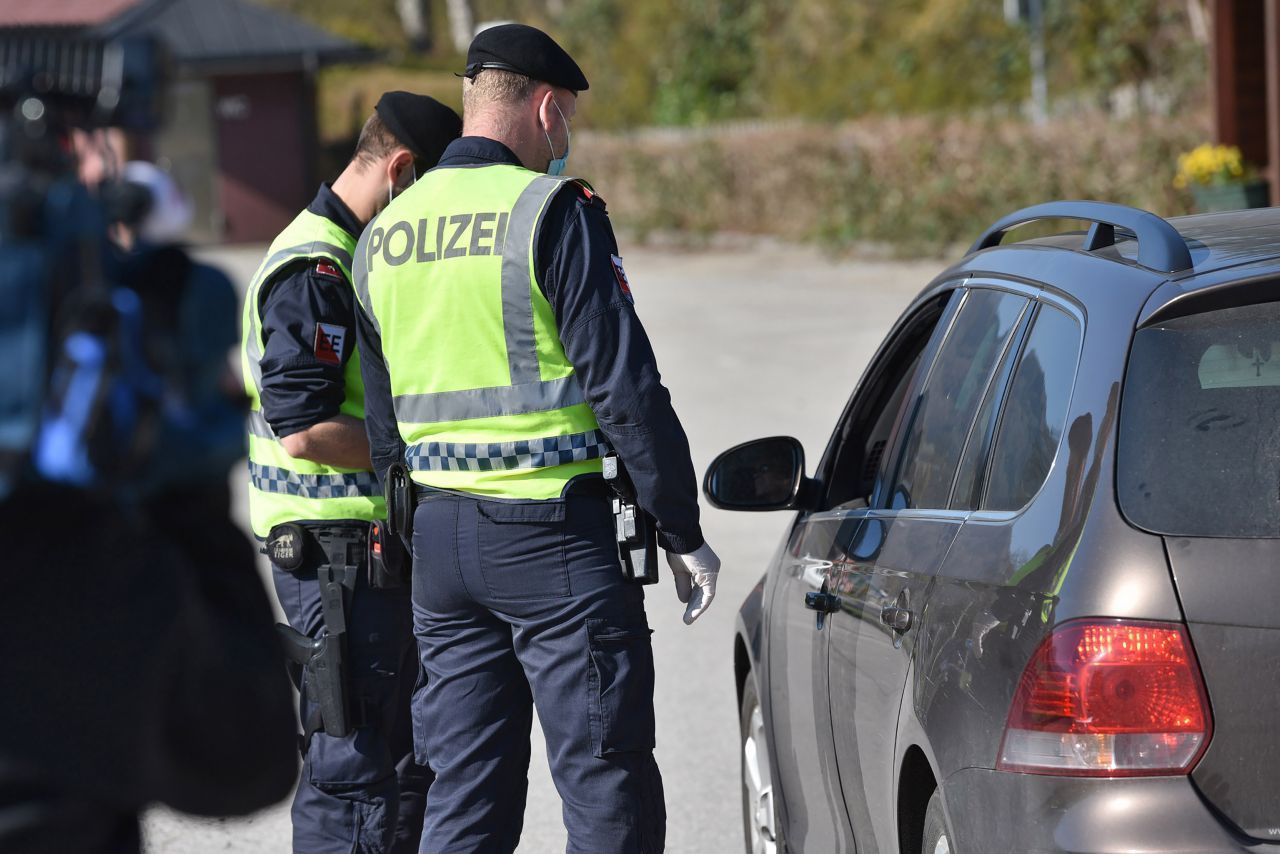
(765, 474)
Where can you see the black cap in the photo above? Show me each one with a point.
(422, 124)
(525, 50)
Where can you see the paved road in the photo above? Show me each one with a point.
(752, 342)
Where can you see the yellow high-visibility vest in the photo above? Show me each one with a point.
(283, 488)
(485, 399)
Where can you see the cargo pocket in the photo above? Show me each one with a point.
(620, 685)
(521, 549)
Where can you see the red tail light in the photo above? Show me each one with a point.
(1109, 698)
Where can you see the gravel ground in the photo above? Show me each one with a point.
(753, 341)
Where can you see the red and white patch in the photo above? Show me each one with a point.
(621, 275)
(324, 268)
(330, 340)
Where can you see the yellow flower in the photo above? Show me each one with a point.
(1210, 164)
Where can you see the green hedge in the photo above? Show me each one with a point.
(914, 184)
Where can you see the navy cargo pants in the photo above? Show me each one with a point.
(523, 604)
(363, 793)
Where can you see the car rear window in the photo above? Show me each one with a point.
(1199, 451)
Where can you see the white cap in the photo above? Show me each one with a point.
(170, 213)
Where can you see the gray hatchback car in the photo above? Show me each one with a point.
(1030, 600)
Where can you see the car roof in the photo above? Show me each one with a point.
(1221, 240)
(1216, 241)
(1212, 256)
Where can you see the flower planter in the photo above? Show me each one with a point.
(1230, 197)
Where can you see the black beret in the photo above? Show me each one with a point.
(525, 50)
(422, 124)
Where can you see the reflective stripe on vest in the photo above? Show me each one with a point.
(285, 488)
(521, 454)
(528, 429)
(341, 485)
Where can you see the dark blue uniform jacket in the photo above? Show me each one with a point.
(603, 339)
(300, 387)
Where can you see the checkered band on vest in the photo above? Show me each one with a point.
(348, 485)
(522, 454)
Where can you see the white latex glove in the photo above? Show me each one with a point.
(695, 579)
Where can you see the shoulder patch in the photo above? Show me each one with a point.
(621, 276)
(589, 195)
(324, 268)
(329, 343)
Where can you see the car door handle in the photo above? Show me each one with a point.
(898, 619)
(822, 602)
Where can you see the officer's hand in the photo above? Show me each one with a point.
(695, 579)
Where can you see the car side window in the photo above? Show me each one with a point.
(1035, 411)
(957, 384)
(966, 494)
(857, 448)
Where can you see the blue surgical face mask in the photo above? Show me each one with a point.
(557, 164)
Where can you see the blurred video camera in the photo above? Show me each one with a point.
(50, 84)
(77, 395)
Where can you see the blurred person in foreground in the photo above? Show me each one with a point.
(130, 674)
(315, 503)
(502, 359)
(200, 437)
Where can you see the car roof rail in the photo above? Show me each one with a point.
(1160, 246)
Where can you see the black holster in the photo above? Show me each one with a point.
(324, 679)
(635, 529)
(323, 659)
(401, 503)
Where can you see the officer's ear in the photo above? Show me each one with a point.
(548, 118)
(400, 167)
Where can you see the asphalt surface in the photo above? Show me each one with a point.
(752, 341)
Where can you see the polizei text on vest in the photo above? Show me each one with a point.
(438, 238)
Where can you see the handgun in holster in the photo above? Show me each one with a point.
(323, 659)
(634, 528)
(324, 680)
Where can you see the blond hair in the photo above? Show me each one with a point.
(495, 87)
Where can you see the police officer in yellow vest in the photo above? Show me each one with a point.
(502, 359)
(315, 502)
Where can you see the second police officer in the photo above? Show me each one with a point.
(313, 499)
(502, 358)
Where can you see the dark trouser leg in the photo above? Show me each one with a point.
(350, 795)
(599, 740)
(545, 580)
(413, 778)
(474, 715)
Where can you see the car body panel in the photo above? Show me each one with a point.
(889, 563)
(1230, 591)
(808, 786)
(1239, 770)
(989, 810)
(1250, 283)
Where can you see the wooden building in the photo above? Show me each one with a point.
(1246, 82)
(240, 131)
